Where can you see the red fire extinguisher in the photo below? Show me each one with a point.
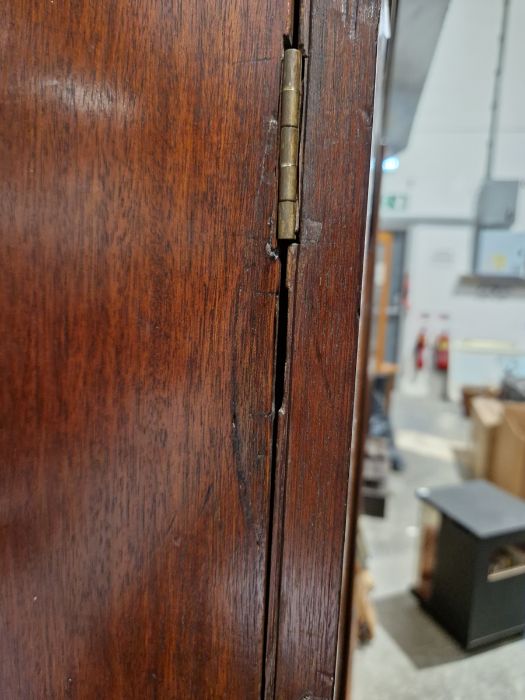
(419, 349)
(441, 352)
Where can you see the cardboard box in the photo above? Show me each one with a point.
(508, 465)
(471, 392)
(487, 416)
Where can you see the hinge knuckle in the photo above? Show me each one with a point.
(289, 143)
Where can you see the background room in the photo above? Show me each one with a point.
(443, 448)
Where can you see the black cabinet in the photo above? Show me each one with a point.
(472, 561)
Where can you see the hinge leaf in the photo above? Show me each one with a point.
(289, 148)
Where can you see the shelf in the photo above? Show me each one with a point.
(516, 556)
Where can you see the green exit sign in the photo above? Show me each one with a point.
(394, 202)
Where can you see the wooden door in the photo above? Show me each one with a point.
(138, 300)
(143, 552)
(315, 421)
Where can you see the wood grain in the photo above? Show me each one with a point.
(137, 308)
(341, 50)
(286, 301)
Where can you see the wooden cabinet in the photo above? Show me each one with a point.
(167, 532)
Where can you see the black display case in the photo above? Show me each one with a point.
(472, 561)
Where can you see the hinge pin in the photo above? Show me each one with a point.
(289, 149)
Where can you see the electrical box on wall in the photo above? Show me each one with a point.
(501, 253)
(497, 203)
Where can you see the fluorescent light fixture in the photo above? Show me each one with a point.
(391, 163)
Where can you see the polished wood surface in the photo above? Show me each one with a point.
(137, 305)
(348, 620)
(341, 48)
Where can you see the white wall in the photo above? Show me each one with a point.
(441, 170)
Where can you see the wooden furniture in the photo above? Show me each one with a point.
(177, 384)
(508, 454)
(347, 627)
(365, 611)
(486, 414)
(472, 561)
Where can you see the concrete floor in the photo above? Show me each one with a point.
(411, 657)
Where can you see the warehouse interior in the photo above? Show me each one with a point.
(439, 588)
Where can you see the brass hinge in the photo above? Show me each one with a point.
(289, 139)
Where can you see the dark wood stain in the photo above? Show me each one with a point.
(339, 101)
(347, 625)
(280, 481)
(137, 306)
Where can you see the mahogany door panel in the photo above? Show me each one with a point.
(137, 308)
(341, 43)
